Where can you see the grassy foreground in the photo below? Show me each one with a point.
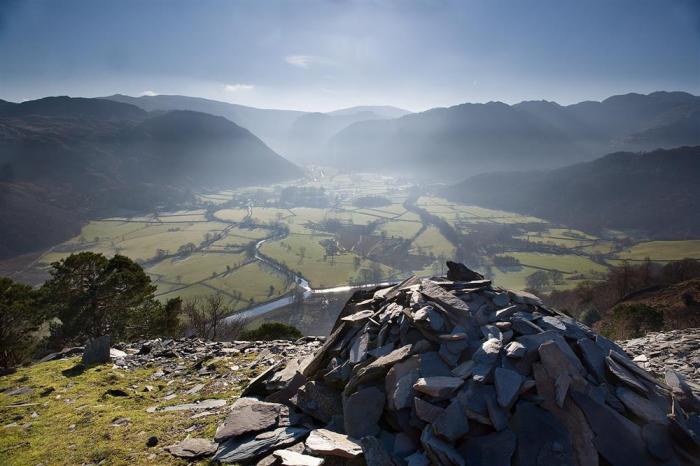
(70, 419)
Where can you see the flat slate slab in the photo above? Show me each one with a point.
(328, 443)
(438, 387)
(292, 458)
(249, 415)
(362, 410)
(249, 447)
(193, 448)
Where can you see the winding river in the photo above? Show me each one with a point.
(264, 308)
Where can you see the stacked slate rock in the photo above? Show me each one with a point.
(454, 371)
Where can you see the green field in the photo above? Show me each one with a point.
(663, 251)
(305, 254)
(388, 241)
(566, 263)
(432, 241)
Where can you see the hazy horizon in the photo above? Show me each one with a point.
(322, 56)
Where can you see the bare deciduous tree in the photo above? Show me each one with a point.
(211, 318)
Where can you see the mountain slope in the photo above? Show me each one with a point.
(451, 143)
(270, 125)
(380, 111)
(655, 192)
(65, 160)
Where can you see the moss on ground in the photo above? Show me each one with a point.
(69, 419)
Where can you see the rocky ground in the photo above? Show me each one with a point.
(152, 395)
(405, 378)
(678, 350)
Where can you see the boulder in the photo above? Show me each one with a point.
(97, 351)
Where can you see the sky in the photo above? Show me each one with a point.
(324, 55)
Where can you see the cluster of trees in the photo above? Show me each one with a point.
(597, 302)
(506, 261)
(89, 295)
(543, 279)
(294, 196)
(86, 296)
(371, 201)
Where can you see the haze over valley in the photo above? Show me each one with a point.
(350, 232)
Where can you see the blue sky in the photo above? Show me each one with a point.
(323, 55)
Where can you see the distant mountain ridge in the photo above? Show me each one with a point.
(300, 136)
(64, 159)
(656, 193)
(451, 143)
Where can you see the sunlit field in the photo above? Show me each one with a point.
(216, 247)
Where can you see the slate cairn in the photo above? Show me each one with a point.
(455, 371)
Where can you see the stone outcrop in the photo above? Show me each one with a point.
(455, 371)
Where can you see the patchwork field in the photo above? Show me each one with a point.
(662, 251)
(211, 248)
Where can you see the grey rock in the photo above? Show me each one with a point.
(593, 358)
(461, 273)
(97, 350)
(438, 451)
(328, 443)
(249, 415)
(318, 400)
(401, 394)
(501, 299)
(403, 445)
(358, 350)
(640, 406)
(624, 376)
(658, 440)
(248, 447)
(515, 350)
(524, 297)
(612, 431)
(361, 412)
(453, 424)
(431, 365)
(374, 452)
(438, 387)
(542, 440)
(507, 312)
(490, 450)
(464, 370)
(292, 458)
(192, 448)
(381, 351)
(498, 416)
(417, 459)
(379, 367)
(426, 411)
(507, 384)
(358, 316)
(485, 359)
(201, 405)
(399, 382)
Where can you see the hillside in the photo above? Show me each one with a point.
(270, 125)
(656, 193)
(534, 386)
(451, 143)
(300, 136)
(63, 160)
(679, 303)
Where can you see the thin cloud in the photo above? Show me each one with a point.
(238, 87)
(149, 93)
(305, 61)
